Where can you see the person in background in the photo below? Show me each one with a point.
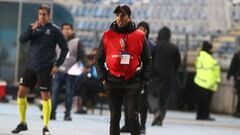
(88, 85)
(166, 61)
(234, 70)
(123, 65)
(143, 103)
(81, 77)
(42, 64)
(62, 77)
(206, 79)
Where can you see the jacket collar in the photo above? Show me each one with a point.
(129, 28)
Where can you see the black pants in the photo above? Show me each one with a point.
(159, 101)
(142, 109)
(238, 100)
(203, 102)
(115, 102)
(88, 88)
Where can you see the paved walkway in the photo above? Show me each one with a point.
(176, 123)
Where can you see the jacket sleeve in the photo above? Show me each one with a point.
(177, 59)
(146, 59)
(71, 57)
(62, 43)
(217, 72)
(25, 36)
(81, 52)
(233, 66)
(100, 61)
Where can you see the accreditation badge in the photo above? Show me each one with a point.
(125, 58)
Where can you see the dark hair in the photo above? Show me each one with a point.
(45, 7)
(124, 9)
(90, 57)
(146, 26)
(67, 24)
(164, 34)
(206, 46)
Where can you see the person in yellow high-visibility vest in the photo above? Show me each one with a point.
(206, 79)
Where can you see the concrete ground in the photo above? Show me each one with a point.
(176, 123)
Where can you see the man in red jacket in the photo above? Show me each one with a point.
(123, 48)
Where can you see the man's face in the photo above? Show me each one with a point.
(122, 19)
(67, 31)
(143, 30)
(94, 52)
(43, 16)
(90, 62)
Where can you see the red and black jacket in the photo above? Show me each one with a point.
(109, 50)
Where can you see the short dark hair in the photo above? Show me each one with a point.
(206, 46)
(45, 7)
(124, 9)
(67, 24)
(90, 57)
(146, 26)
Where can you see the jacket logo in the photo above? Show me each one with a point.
(122, 44)
(48, 32)
(21, 80)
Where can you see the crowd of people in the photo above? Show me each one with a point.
(134, 72)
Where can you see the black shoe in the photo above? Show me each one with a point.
(125, 129)
(143, 130)
(236, 115)
(157, 121)
(207, 119)
(67, 117)
(20, 127)
(53, 116)
(46, 131)
(81, 112)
